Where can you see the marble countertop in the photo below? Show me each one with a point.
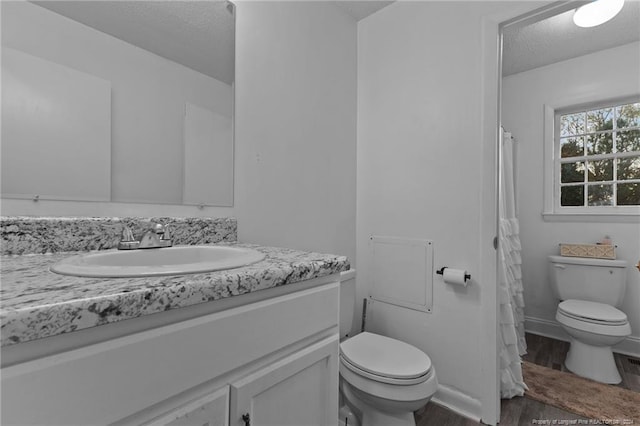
(37, 303)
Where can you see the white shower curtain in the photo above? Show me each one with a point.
(511, 329)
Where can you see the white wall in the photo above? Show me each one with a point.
(602, 75)
(296, 126)
(295, 129)
(426, 170)
(148, 101)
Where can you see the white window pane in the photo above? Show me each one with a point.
(572, 124)
(628, 168)
(600, 195)
(572, 172)
(572, 196)
(628, 194)
(600, 143)
(597, 151)
(572, 147)
(600, 119)
(628, 115)
(628, 141)
(601, 170)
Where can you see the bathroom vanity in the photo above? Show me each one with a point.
(253, 345)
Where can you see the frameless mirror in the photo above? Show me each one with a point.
(123, 101)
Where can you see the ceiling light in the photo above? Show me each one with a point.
(597, 12)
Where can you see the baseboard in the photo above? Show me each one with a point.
(458, 402)
(629, 346)
(543, 327)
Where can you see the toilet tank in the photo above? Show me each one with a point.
(595, 280)
(347, 301)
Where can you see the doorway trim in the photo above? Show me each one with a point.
(493, 26)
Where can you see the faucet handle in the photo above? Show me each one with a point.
(127, 240)
(127, 235)
(166, 233)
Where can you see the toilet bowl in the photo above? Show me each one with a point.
(382, 380)
(589, 290)
(385, 379)
(593, 328)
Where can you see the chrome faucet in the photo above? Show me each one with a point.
(156, 237)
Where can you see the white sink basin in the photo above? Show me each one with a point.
(155, 262)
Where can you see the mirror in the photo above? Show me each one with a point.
(122, 101)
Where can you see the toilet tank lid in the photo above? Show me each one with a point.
(384, 356)
(612, 263)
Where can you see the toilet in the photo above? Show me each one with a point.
(382, 380)
(590, 291)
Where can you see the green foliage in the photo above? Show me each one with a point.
(628, 194)
(572, 195)
(604, 131)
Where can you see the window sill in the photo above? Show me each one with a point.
(592, 217)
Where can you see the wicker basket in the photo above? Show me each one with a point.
(599, 251)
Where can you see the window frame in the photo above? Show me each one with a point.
(553, 211)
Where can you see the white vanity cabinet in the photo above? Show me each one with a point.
(209, 410)
(274, 359)
(297, 390)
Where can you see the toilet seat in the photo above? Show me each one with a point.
(593, 317)
(385, 360)
(592, 312)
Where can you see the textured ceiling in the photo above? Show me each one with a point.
(558, 38)
(363, 8)
(197, 34)
(200, 34)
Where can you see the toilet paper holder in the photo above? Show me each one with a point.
(441, 272)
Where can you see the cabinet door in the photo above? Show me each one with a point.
(210, 410)
(301, 389)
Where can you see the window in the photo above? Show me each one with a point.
(597, 161)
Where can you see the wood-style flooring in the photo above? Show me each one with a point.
(551, 353)
(522, 410)
(513, 412)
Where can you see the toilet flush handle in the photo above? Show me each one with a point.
(560, 266)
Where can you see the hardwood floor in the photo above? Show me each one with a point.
(629, 369)
(546, 351)
(551, 353)
(522, 410)
(513, 412)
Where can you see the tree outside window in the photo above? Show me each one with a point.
(599, 161)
